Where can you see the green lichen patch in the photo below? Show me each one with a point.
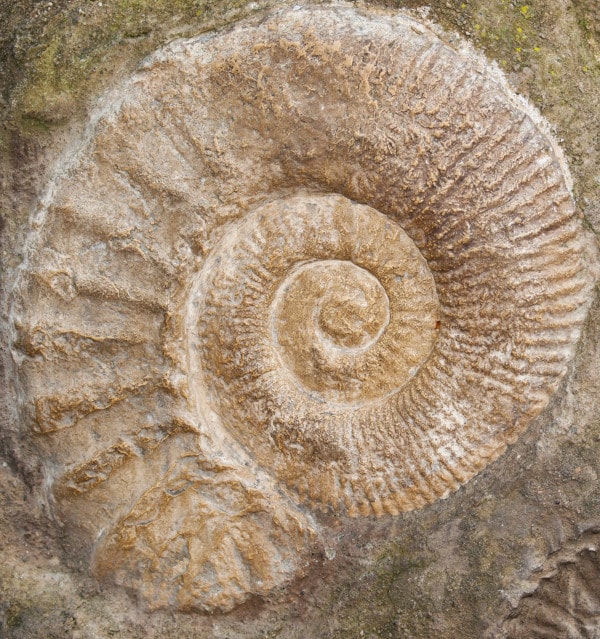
(79, 47)
(388, 599)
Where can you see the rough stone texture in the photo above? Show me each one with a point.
(566, 602)
(157, 327)
(470, 558)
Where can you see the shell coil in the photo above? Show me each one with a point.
(321, 261)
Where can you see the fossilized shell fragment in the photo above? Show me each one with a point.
(566, 602)
(320, 261)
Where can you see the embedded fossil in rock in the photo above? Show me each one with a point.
(566, 602)
(320, 261)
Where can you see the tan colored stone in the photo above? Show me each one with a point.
(320, 261)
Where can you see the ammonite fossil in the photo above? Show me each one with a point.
(319, 261)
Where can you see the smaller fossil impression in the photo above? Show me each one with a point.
(323, 261)
(566, 602)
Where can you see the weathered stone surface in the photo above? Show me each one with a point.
(211, 528)
(324, 261)
(566, 602)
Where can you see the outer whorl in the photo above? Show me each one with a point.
(324, 260)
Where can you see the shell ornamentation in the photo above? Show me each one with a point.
(319, 262)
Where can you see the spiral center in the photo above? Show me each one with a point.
(353, 308)
(316, 298)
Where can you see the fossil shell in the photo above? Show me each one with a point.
(320, 261)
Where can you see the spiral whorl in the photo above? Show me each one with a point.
(308, 313)
(321, 261)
